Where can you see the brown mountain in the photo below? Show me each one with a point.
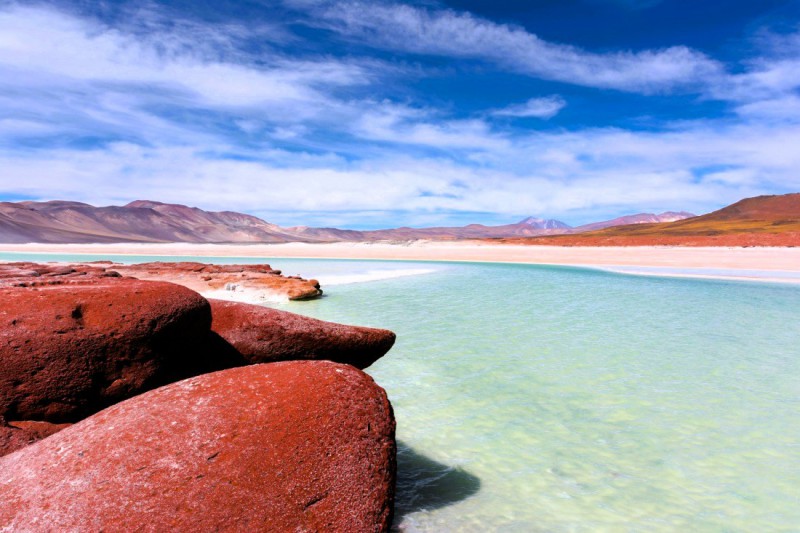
(763, 220)
(472, 231)
(759, 221)
(140, 221)
(147, 221)
(640, 218)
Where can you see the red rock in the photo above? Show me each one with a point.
(294, 446)
(24, 274)
(12, 439)
(263, 335)
(17, 435)
(256, 280)
(69, 350)
(201, 277)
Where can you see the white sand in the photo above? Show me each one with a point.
(760, 263)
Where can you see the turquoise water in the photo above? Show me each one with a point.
(534, 398)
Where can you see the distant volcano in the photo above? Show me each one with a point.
(542, 223)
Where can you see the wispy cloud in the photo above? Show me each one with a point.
(544, 107)
(555, 173)
(769, 85)
(50, 44)
(64, 56)
(458, 34)
(108, 113)
(409, 126)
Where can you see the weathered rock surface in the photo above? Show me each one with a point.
(17, 435)
(256, 282)
(263, 335)
(253, 281)
(26, 274)
(74, 345)
(293, 446)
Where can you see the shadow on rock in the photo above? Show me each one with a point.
(424, 484)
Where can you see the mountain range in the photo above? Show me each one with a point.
(759, 221)
(149, 221)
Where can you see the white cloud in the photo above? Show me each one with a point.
(553, 174)
(183, 123)
(457, 34)
(765, 79)
(781, 108)
(69, 77)
(48, 48)
(404, 125)
(769, 77)
(768, 85)
(545, 107)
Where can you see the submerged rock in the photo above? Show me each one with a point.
(293, 446)
(69, 350)
(263, 335)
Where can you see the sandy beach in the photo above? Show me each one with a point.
(757, 263)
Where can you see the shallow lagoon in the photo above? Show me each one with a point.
(534, 398)
(563, 399)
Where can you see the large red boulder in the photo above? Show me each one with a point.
(263, 335)
(293, 446)
(70, 349)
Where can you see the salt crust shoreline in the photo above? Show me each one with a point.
(770, 263)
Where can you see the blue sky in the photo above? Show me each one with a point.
(380, 114)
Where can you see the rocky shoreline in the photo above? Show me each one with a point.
(130, 402)
(250, 283)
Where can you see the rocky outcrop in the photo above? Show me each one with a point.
(74, 345)
(296, 445)
(263, 335)
(26, 274)
(77, 338)
(253, 282)
(293, 446)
